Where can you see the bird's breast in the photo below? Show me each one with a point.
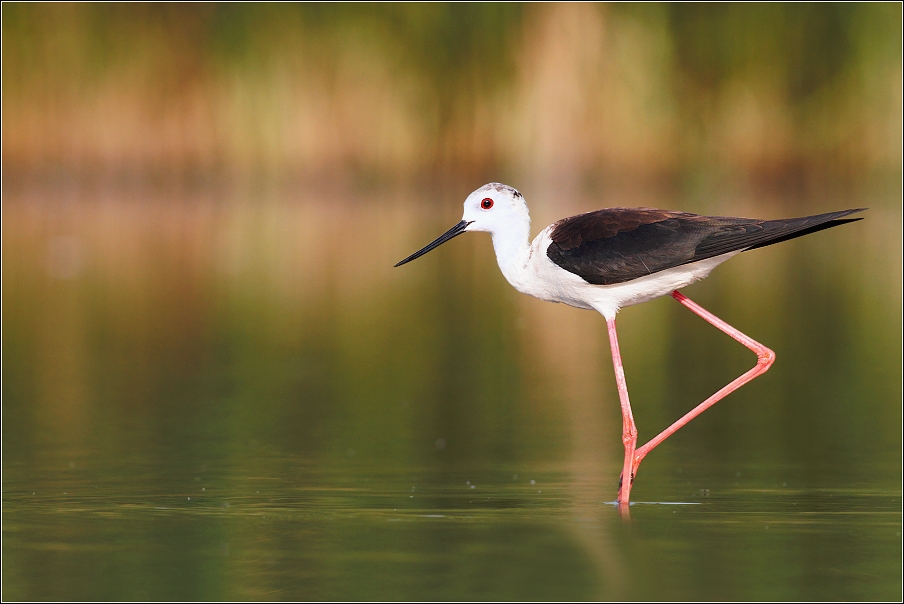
(540, 278)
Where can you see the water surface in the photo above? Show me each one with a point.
(133, 529)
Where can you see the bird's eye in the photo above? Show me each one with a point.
(487, 203)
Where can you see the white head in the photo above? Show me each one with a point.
(495, 208)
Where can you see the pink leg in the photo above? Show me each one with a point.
(629, 430)
(765, 358)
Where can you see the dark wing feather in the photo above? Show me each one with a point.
(766, 232)
(616, 245)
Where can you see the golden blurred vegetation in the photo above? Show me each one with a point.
(183, 182)
(594, 96)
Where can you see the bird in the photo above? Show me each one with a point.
(608, 259)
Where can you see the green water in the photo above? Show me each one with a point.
(135, 529)
(245, 401)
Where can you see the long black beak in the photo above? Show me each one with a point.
(455, 231)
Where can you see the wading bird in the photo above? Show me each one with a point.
(613, 258)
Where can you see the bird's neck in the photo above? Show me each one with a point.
(512, 253)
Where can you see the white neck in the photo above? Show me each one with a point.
(512, 253)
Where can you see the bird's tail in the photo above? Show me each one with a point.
(776, 231)
(746, 234)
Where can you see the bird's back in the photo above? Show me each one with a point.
(617, 245)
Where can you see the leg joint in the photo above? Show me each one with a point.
(765, 357)
(629, 436)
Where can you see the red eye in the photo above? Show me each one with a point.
(487, 203)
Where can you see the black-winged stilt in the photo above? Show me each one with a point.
(612, 258)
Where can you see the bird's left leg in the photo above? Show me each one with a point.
(629, 430)
(765, 358)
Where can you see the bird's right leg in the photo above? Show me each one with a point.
(765, 358)
(629, 430)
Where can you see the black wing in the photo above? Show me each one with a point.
(616, 245)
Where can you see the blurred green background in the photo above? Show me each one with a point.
(215, 385)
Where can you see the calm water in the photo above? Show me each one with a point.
(211, 399)
(138, 529)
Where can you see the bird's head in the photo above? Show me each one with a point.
(495, 208)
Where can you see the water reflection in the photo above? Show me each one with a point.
(315, 532)
(245, 402)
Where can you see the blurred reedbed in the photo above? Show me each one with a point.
(208, 200)
(590, 97)
(168, 168)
